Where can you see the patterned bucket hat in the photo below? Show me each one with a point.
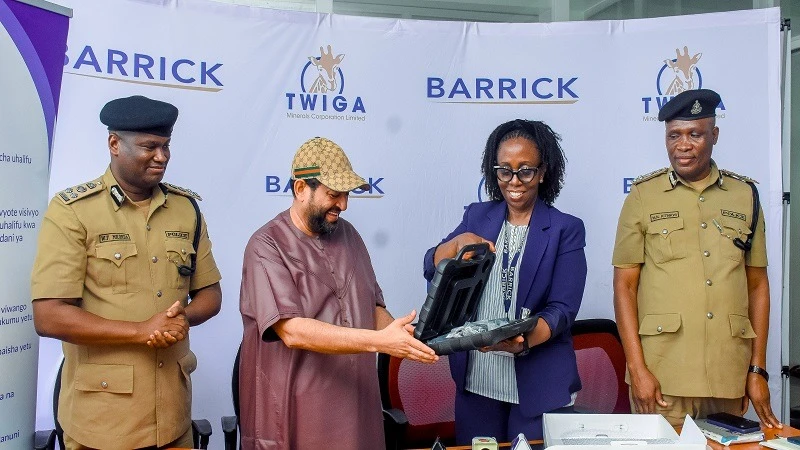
(322, 159)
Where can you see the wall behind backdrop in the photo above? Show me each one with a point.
(412, 104)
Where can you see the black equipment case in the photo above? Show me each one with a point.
(453, 298)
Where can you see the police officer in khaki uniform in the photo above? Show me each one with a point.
(691, 293)
(119, 258)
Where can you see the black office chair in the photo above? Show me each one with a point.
(201, 433)
(794, 411)
(46, 439)
(230, 424)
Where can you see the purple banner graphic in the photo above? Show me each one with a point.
(33, 36)
(34, 31)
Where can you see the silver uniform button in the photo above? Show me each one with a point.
(702, 199)
(708, 282)
(155, 259)
(104, 384)
(703, 225)
(742, 331)
(664, 231)
(158, 294)
(117, 256)
(706, 253)
(659, 329)
(183, 250)
(710, 315)
(161, 364)
(147, 227)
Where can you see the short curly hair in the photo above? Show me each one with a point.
(546, 140)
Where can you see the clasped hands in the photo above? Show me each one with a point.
(167, 327)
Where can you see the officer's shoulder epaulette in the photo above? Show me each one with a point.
(83, 190)
(650, 176)
(182, 191)
(728, 173)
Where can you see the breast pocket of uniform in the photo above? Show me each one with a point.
(731, 229)
(116, 266)
(180, 252)
(666, 240)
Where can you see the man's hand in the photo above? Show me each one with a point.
(166, 328)
(176, 310)
(161, 340)
(397, 340)
(757, 391)
(646, 392)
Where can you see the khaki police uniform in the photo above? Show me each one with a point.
(95, 245)
(692, 298)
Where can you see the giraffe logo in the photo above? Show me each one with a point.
(328, 74)
(675, 75)
(322, 90)
(680, 74)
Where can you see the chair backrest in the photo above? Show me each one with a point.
(601, 366)
(230, 424)
(425, 393)
(235, 382)
(56, 393)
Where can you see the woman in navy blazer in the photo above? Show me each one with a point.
(506, 393)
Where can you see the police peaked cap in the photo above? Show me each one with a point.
(690, 105)
(139, 114)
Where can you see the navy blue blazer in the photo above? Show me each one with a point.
(552, 277)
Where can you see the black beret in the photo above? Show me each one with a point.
(690, 105)
(140, 114)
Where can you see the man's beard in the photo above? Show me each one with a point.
(318, 224)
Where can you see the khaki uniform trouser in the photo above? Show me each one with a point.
(184, 441)
(696, 407)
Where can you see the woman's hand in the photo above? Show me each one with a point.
(451, 248)
(511, 345)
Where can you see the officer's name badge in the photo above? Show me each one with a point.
(177, 234)
(664, 215)
(734, 214)
(113, 237)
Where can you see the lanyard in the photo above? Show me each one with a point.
(509, 268)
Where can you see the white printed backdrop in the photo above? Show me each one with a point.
(412, 104)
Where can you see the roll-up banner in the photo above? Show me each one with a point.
(412, 103)
(33, 36)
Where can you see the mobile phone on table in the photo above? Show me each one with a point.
(794, 440)
(733, 423)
